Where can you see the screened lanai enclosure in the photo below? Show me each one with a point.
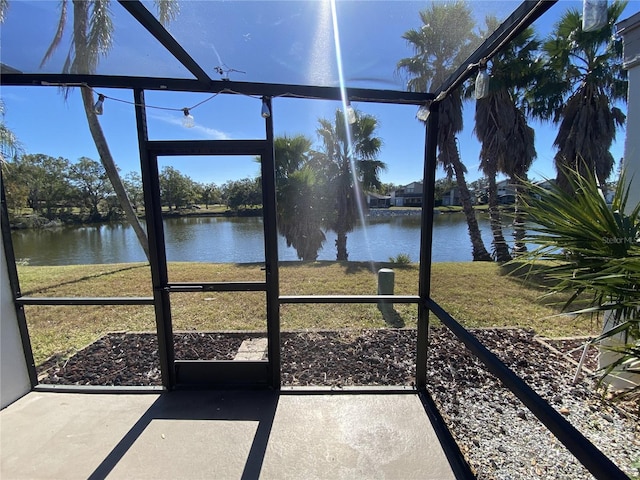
(198, 106)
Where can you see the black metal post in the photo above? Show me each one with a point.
(522, 17)
(229, 87)
(155, 28)
(157, 253)
(14, 283)
(271, 250)
(426, 237)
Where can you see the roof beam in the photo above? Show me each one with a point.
(527, 13)
(153, 26)
(273, 90)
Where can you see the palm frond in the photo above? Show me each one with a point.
(10, 146)
(57, 38)
(168, 10)
(583, 245)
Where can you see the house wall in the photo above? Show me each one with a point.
(14, 377)
(448, 198)
(630, 31)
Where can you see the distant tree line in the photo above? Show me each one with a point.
(57, 188)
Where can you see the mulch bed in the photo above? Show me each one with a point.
(333, 358)
(573, 348)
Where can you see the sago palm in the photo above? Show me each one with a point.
(591, 250)
(444, 40)
(584, 245)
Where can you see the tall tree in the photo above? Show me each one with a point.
(92, 37)
(209, 194)
(348, 160)
(133, 185)
(47, 179)
(89, 177)
(584, 81)
(9, 149)
(444, 40)
(501, 126)
(176, 189)
(243, 193)
(299, 198)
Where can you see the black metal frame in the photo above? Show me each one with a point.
(190, 373)
(269, 90)
(598, 464)
(157, 253)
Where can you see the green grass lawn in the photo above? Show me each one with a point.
(476, 294)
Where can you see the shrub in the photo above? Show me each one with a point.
(401, 259)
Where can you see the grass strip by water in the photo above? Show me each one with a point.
(476, 294)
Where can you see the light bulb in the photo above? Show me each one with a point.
(482, 83)
(423, 113)
(351, 114)
(188, 120)
(594, 15)
(266, 113)
(98, 107)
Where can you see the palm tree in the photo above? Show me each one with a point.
(445, 40)
(348, 161)
(9, 144)
(501, 126)
(299, 205)
(92, 38)
(584, 80)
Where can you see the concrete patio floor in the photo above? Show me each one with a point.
(220, 435)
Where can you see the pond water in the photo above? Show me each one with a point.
(240, 240)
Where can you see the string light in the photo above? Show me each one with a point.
(351, 113)
(266, 113)
(423, 113)
(594, 15)
(187, 116)
(98, 107)
(482, 82)
(187, 121)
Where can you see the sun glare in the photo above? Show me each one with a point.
(345, 104)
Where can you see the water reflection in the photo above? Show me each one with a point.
(241, 240)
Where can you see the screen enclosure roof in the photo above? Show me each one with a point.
(321, 47)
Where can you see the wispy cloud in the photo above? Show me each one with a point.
(8, 95)
(211, 133)
(198, 130)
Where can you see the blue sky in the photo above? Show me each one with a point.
(46, 123)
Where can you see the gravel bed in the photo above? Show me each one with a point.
(499, 437)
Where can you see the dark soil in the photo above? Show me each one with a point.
(574, 348)
(333, 358)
